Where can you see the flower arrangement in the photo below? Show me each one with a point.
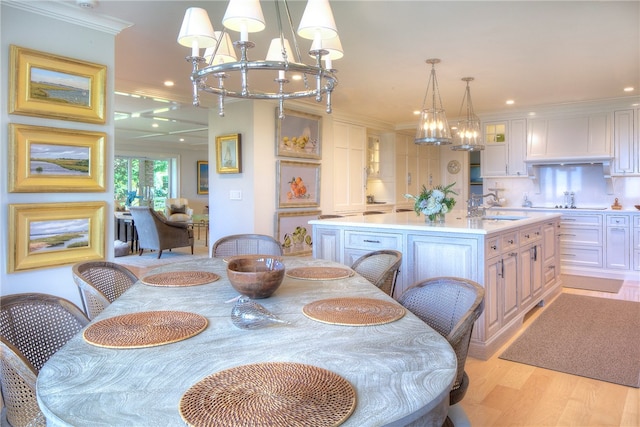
(432, 202)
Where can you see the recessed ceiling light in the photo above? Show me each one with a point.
(510, 102)
(154, 125)
(628, 89)
(169, 83)
(181, 140)
(416, 113)
(296, 77)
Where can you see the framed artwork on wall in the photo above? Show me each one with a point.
(51, 234)
(46, 85)
(203, 177)
(298, 184)
(228, 154)
(43, 159)
(294, 232)
(299, 135)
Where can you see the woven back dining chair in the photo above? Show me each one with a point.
(450, 305)
(246, 244)
(380, 268)
(32, 328)
(100, 283)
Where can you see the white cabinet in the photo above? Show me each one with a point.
(350, 171)
(551, 253)
(626, 144)
(416, 165)
(373, 157)
(581, 240)
(618, 243)
(505, 143)
(585, 137)
(530, 263)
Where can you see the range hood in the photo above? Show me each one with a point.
(533, 168)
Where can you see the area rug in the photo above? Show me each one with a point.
(592, 337)
(591, 283)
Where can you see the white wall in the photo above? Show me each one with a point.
(42, 33)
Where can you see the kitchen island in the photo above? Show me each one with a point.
(513, 255)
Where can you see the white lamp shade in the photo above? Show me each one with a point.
(275, 51)
(317, 21)
(225, 53)
(333, 46)
(196, 30)
(244, 16)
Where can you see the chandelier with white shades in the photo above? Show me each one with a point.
(220, 72)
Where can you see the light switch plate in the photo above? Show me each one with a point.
(235, 195)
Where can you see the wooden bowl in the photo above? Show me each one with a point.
(255, 277)
(637, 207)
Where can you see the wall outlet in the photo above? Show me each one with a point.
(235, 195)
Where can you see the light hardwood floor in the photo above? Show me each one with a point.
(504, 393)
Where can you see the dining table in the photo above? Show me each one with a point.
(399, 369)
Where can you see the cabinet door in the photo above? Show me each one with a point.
(625, 159)
(551, 269)
(494, 155)
(526, 275)
(492, 296)
(510, 286)
(349, 167)
(517, 145)
(327, 243)
(618, 248)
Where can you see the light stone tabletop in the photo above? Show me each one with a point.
(401, 370)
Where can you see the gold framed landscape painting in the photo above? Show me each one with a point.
(43, 159)
(52, 234)
(228, 154)
(46, 85)
(203, 177)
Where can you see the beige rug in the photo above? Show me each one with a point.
(591, 337)
(591, 283)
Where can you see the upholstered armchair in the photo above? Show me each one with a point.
(158, 233)
(178, 209)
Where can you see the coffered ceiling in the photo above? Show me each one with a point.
(533, 52)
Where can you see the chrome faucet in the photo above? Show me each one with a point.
(495, 202)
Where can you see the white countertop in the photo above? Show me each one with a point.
(455, 222)
(586, 209)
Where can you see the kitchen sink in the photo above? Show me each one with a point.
(503, 217)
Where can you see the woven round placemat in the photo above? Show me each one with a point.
(269, 394)
(144, 329)
(319, 273)
(353, 311)
(180, 278)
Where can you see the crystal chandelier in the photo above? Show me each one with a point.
(433, 128)
(220, 63)
(468, 133)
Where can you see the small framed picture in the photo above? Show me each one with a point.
(298, 135)
(50, 234)
(228, 154)
(298, 184)
(46, 85)
(294, 232)
(43, 159)
(203, 177)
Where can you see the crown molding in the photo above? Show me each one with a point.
(71, 13)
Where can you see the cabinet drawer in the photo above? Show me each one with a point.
(585, 236)
(581, 219)
(509, 241)
(582, 256)
(493, 247)
(530, 234)
(372, 241)
(617, 220)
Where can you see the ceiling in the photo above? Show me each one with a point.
(533, 52)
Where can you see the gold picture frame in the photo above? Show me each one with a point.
(44, 159)
(228, 154)
(52, 234)
(46, 85)
(203, 177)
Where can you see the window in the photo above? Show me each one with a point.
(143, 181)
